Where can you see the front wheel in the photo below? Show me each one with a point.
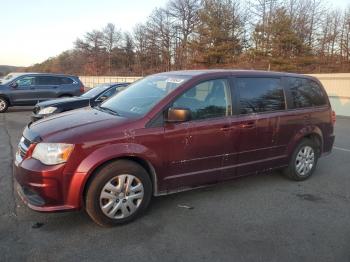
(303, 161)
(119, 192)
(3, 105)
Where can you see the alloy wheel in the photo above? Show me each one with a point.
(3, 104)
(305, 160)
(121, 196)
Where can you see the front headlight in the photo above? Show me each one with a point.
(52, 153)
(47, 110)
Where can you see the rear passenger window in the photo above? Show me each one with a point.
(260, 95)
(53, 80)
(47, 80)
(305, 93)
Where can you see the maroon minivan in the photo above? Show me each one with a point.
(171, 132)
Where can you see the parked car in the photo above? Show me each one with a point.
(171, 132)
(93, 97)
(23, 89)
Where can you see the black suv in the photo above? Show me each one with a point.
(93, 97)
(23, 89)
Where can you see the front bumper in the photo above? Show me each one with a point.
(41, 187)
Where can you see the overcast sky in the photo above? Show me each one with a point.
(33, 30)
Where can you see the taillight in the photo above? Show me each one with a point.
(334, 118)
(82, 89)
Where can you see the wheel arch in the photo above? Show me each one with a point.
(317, 139)
(6, 98)
(313, 133)
(147, 165)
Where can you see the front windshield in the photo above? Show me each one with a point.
(140, 97)
(8, 78)
(95, 91)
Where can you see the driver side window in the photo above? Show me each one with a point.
(209, 99)
(107, 94)
(26, 81)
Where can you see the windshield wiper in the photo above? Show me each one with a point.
(108, 110)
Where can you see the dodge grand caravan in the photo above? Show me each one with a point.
(171, 132)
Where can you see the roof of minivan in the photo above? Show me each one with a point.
(233, 72)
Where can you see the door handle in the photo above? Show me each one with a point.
(247, 125)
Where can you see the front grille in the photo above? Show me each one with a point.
(23, 147)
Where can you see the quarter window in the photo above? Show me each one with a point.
(66, 80)
(209, 99)
(260, 95)
(305, 93)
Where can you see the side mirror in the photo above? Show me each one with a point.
(176, 115)
(14, 85)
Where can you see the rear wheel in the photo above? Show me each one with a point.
(119, 193)
(303, 161)
(3, 105)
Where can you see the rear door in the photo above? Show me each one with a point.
(46, 87)
(260, 101)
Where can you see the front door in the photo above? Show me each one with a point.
(23, 93)
(196, 149)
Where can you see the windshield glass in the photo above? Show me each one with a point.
(140, 97)
(8, 78)
(95, 91)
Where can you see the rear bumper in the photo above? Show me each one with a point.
(42, 188)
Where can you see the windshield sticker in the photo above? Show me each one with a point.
(174, 80)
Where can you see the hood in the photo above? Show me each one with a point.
(78, 126)
(59, 101)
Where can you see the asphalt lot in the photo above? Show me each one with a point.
(258, 218)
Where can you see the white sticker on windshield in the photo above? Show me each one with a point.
(174, 80)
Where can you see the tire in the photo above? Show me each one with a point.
(303, 161)
(3, 105)
(109, 201)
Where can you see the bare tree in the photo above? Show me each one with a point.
(262, 10)
(111, 39)
(92, 46)
(185, 16)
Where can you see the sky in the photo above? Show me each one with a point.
(33, 30)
